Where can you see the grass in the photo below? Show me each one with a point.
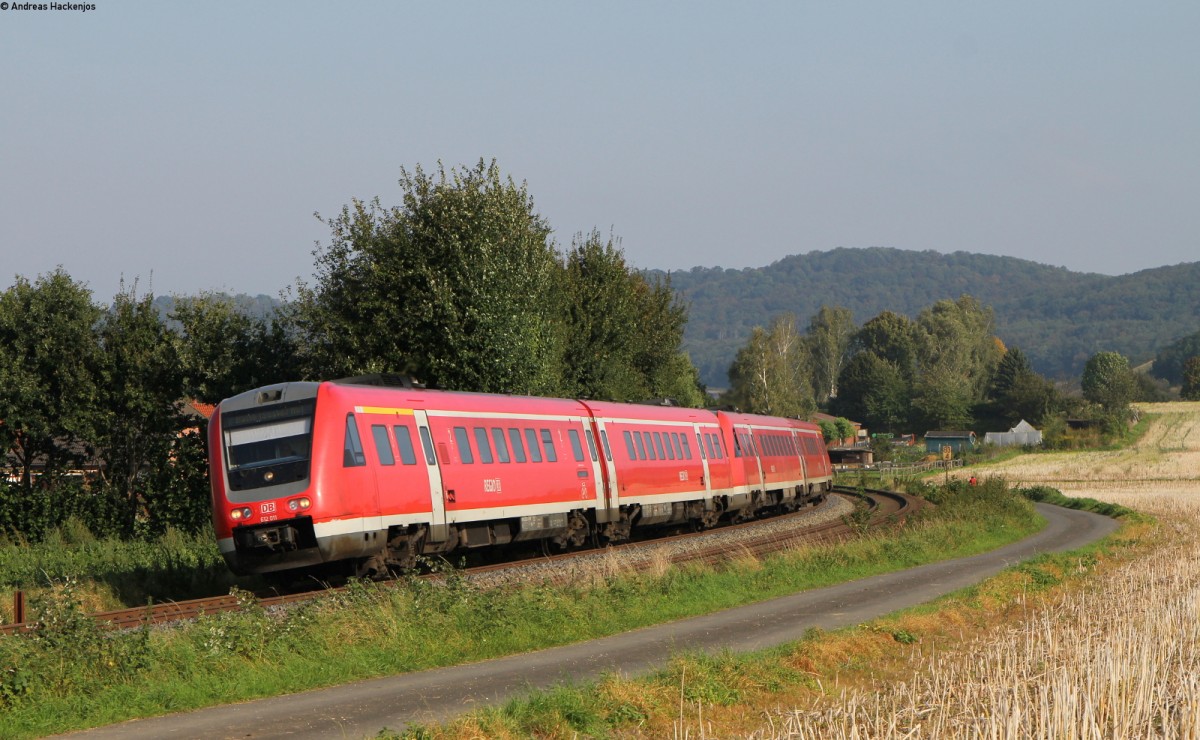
(865, 681)
(114, 574)
(1101, 642)
(71, 676)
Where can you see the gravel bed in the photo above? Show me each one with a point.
(601, 565)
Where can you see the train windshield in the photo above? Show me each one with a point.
(268, 446)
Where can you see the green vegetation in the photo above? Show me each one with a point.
(746, 683)
(372, 630)
(459, 285)
(112, 573)
(1058, 317)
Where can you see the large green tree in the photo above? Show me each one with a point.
(1169, 362)
(142, 413)
(873, 391)
(456, 285)
(623, 332)
(1108, 382)
(1190, 390)
(1016, 393)
(771, 374)
(224, 351)
(957, 356)
(828, 340)
(49, 375)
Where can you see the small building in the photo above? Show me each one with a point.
(853, 457)
(1022, 434)
(958, 442)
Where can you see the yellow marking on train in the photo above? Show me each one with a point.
(382, 410)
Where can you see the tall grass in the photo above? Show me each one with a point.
(113, 573)
(373, 630)
(1117, 658)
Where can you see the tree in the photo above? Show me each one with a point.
(224, 351)
(890, 337)
(1108, 382)
(1017, 392)
(873, 391)
(957, 356)
(49, 375)
(456, 285)
(141, 406)
(1191, 379)
(1169, 362)
(770, 374)
(828, 341)
(623, 333)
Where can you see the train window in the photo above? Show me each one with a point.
(518, 447)
(708, 438)
(404, 443)
(383, 445)
(629, 445)
(699, 445)
(682, 440)
(641, 445)
(535, 452)
(464, 445)
(500, 444)
(548, 444)
(576, 444)
(658, 445)
(591, 440)
(485, 447)
(604, 441)
(720, 445)
(352, 453)
(649, 439)
(427, 445)
(737, 444)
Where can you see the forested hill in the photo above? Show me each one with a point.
(1057, 317)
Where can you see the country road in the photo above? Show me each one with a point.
(362, 709)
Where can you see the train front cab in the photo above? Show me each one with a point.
(291, 483)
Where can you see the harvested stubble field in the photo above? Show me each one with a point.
(1112, 654)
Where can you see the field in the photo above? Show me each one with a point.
(1115, 655)
(1100, 643)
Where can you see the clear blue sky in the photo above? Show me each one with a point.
(190, 143)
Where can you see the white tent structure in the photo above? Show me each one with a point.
(1022, 434)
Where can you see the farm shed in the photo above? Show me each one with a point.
(1021, 434)
(958, 442)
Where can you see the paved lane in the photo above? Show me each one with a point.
(362, 709)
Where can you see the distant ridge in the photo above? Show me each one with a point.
(1059, 318)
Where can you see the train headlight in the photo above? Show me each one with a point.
(299, 504)
(240, 513)
(269, 476)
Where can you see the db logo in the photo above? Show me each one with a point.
(268, 507)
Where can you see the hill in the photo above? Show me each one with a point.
(1059, 318)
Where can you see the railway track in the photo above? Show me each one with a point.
(873, 509)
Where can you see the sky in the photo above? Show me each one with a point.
(186, 146)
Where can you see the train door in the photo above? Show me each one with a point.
(798, 445)
(698, 435)
(608, 502)
(754, 452)
(437, 493)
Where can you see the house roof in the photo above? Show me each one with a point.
(949, 435)
(196, 408)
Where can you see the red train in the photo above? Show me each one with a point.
(368, 475)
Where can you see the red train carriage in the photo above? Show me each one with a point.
(305, 474)
(776, 462)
